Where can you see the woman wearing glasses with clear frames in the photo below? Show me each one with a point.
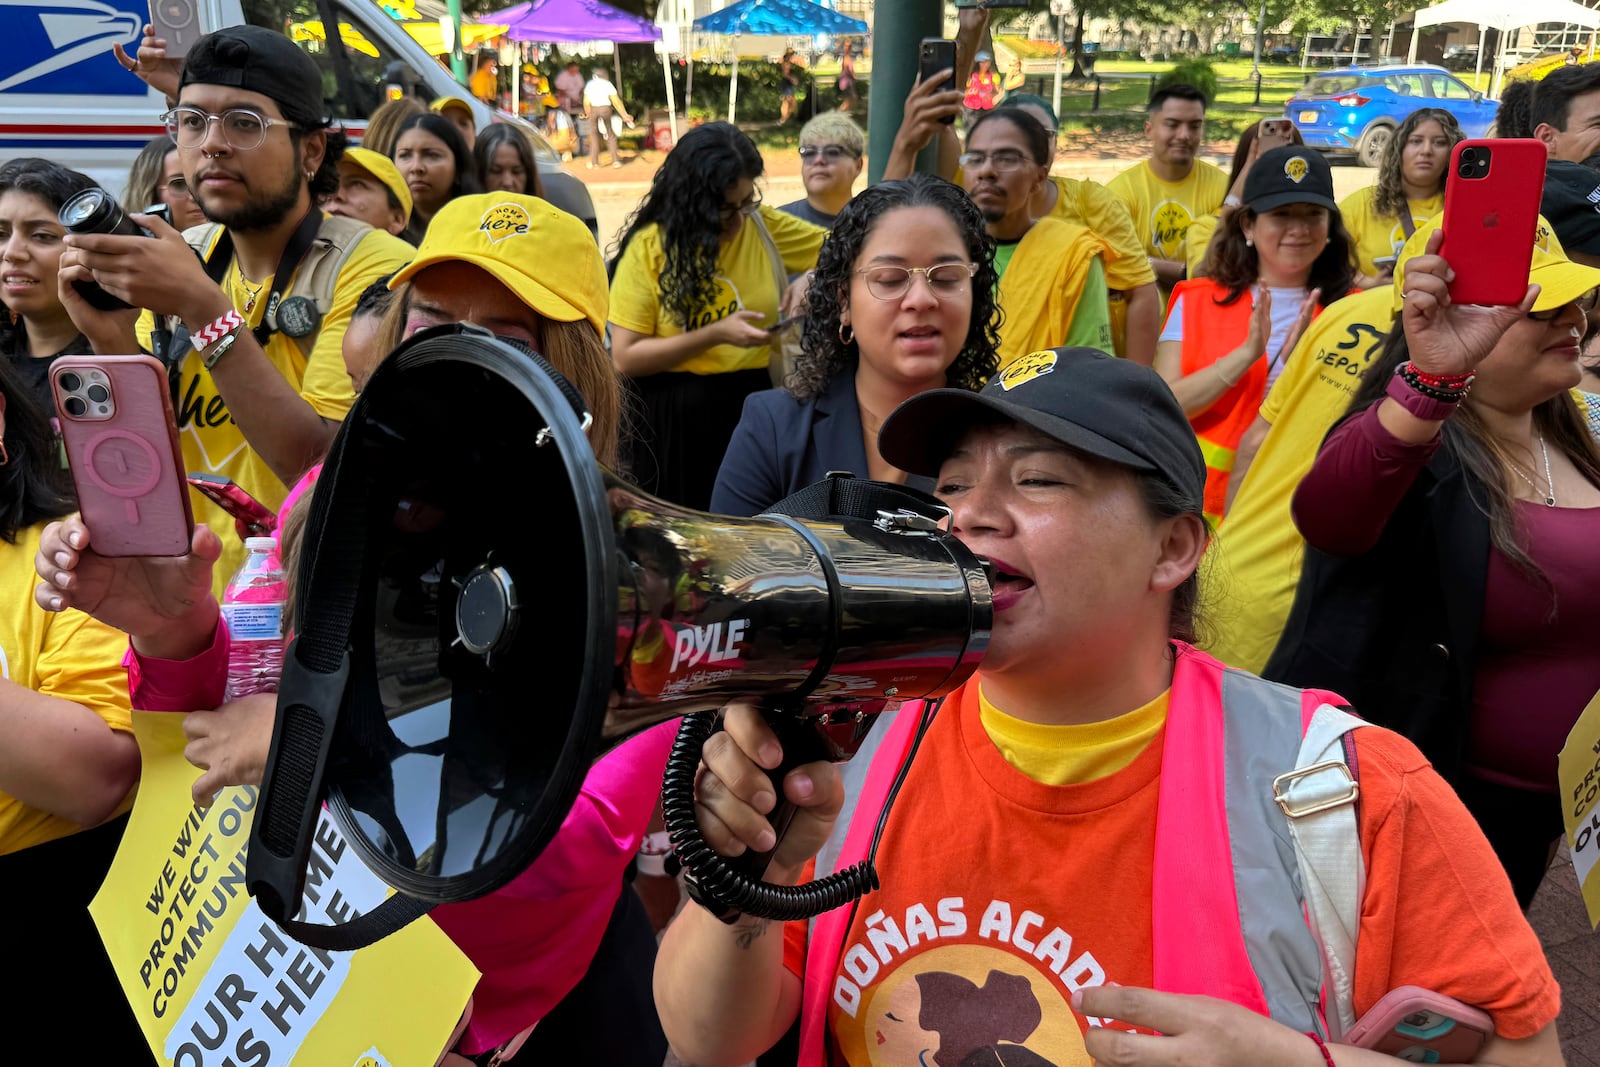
(902, 301)
(156, 177)
(697, 283)
(832, 148)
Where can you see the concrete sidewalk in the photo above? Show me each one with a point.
(1559, 918)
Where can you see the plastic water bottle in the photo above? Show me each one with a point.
(253, 607)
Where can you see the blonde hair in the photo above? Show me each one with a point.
(831, 127)
(383, 128)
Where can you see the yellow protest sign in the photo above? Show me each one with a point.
(215, 983)
(1578, 772)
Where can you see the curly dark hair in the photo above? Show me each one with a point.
(686, 198)
(1389, 197)
(1515, 116)
(1235, 265)
(823, 355)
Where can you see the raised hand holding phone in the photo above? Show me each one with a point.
(1448, 338)
(936, 56)
(122, 448)
(1491, 217)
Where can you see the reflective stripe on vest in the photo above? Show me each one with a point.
(1219, 839)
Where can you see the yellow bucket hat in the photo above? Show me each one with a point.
(545, 256)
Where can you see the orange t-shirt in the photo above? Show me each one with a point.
(979, 936)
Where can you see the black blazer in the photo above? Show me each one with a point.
(1395, 630)
(783, 444)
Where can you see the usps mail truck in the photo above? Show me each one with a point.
(64, 96)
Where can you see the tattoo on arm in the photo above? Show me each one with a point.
(749, 930)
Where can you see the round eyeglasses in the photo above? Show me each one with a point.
(242, 128)
(891, 283)
(833, 153)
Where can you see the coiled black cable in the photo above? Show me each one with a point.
(716, 884)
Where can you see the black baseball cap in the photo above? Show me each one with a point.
(1292, 174)
(1106, 407)
(261, 61)
(1571, 205)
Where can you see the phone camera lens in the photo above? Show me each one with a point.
(71, 382)
(76, 407)
(99, 394)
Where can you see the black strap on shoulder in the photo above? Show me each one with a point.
(293, 254)
(842, 495)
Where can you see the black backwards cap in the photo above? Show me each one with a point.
(262, 61)
(1107, 407)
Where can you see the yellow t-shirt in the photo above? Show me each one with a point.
(1092, 206)
(212, 442)
(58, 654)
(745, 282)
(1198, 239)
(1374, 236)
(1255, 564)
(1072, 753)
(1162, 211)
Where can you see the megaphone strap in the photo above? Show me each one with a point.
(841, 495)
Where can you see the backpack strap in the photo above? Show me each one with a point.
(1320, 799)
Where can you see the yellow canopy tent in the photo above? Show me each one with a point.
(427, 34)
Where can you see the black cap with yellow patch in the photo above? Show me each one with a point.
(1087, 400)
(1292, 174)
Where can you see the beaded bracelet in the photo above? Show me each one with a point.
(1322, 1048)
(1450, 394)
(1441, 381)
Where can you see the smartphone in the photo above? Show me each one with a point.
(1491, 215)
(1420, 1026)
(122, 449)
(934, 55)
(251, 518)
(1274, 133)
(1384, 263)
(178, 23)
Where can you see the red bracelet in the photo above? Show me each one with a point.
(1322, 1048)
(1439, 381)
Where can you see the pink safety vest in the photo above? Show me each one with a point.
(1194, 855)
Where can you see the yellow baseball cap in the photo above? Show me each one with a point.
(450, 101)
(1560, 280)
(382, 168)
(542, 254)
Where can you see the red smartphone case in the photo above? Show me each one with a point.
(1490, 221)
(1410, 1022)
(127, 467)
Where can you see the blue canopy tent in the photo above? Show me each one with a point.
(783, 18)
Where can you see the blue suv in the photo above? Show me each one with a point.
(1357, 109)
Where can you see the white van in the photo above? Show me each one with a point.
(64, 96)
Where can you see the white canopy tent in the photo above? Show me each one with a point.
(1501, 15)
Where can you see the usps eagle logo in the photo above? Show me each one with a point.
(1026, 369)
(504, 220)
(1296, 168)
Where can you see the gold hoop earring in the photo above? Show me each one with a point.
(843, 326)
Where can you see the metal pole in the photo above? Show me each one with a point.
(894, 71)
(672, 101)
(458, 61)
(1261, 30)
(733, 85)
(1061, 43)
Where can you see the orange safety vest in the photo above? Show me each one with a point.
(1210, 331)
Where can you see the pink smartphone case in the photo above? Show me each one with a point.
(1490, 223)
(1396, 1024)
(128, 468)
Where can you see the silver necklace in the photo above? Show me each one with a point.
(1550, 496)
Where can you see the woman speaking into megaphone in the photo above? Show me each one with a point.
(532, 273)
(1104, 846)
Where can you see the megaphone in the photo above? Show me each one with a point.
(484, 611)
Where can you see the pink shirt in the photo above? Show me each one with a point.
(534, 938)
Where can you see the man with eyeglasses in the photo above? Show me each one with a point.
(1052, 277)
(831, 151)
(258, 302)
